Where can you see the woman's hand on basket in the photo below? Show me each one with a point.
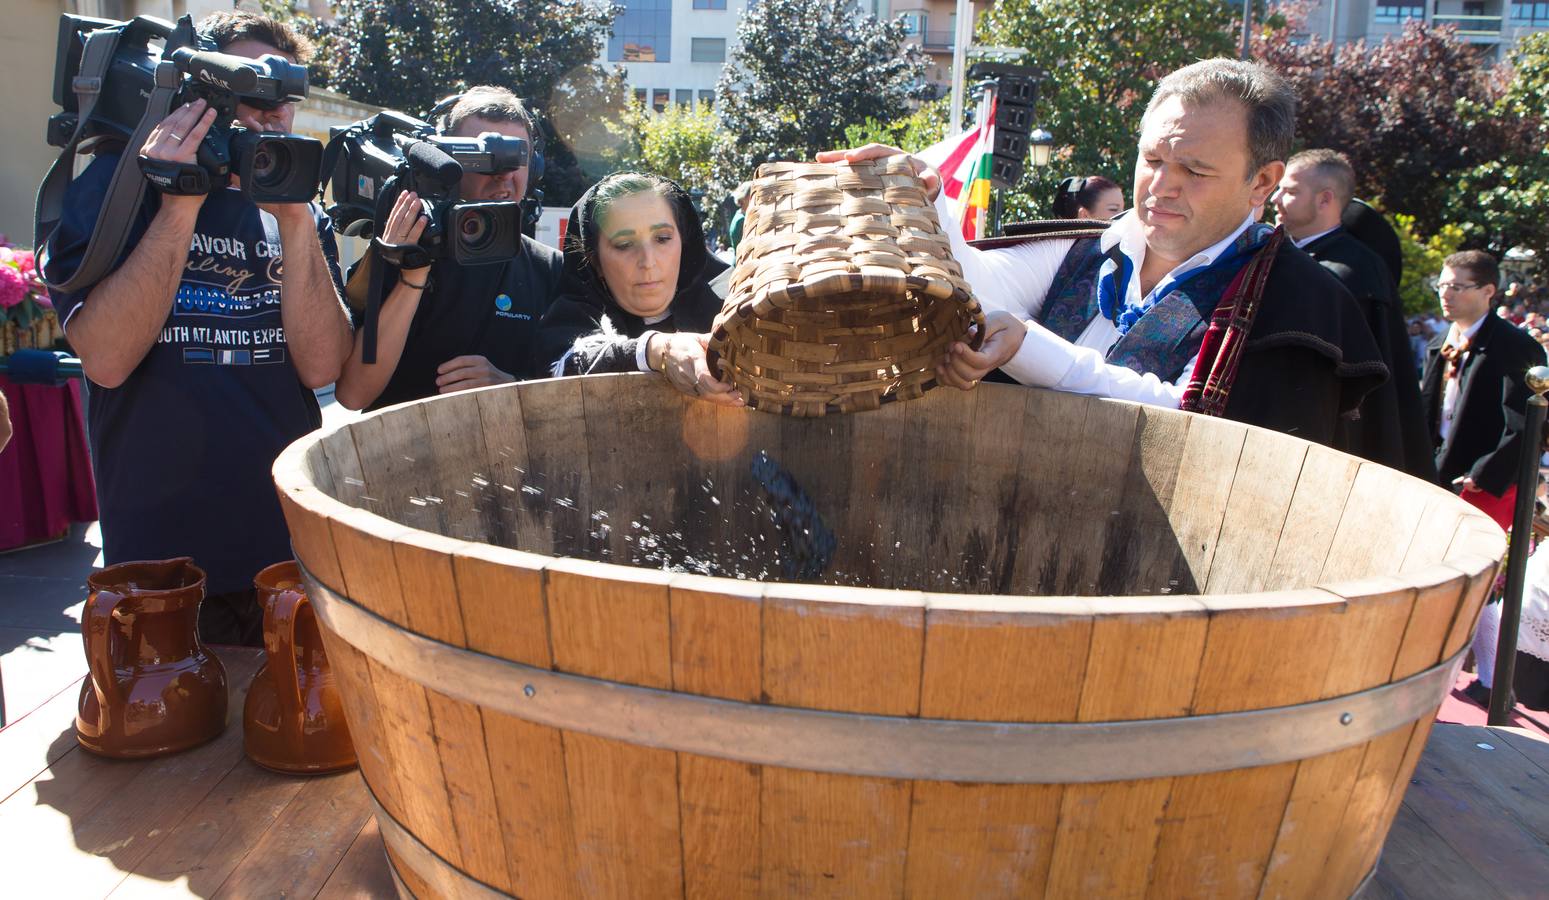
(930, 176)
(964, 367)
(681, 360)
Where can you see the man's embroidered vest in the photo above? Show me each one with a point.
(1164, 339)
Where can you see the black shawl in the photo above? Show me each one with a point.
(586, 331)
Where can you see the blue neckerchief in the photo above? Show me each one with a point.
(1117, 270)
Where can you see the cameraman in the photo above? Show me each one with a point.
(449, 327)
(203, 349)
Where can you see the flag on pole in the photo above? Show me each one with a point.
(955, 159)
(965, 162)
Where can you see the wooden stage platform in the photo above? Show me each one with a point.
(209, 823)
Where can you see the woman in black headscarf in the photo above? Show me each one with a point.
(635, 295)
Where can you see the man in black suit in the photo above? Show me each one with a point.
(1390, 427)
(1474, 394)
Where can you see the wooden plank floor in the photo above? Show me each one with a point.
(206, 823)
(209, 823)
(1475, 820)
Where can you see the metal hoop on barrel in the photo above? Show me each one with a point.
(886, 746)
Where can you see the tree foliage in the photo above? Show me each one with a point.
(407, 54)
(1399, 109)
(678, 144)
(914, 132)
(1104, 58)
(1500, 203)
(803, 71)
(1422, 261)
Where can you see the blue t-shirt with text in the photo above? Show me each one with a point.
(183, 448)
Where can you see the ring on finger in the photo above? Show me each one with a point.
(178, 136)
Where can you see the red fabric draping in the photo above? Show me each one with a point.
(45, 472)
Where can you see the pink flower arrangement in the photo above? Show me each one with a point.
(23, 295)
(13, 286)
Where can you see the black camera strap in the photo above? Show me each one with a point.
(127, 188)
(169, 177)
(368, 326)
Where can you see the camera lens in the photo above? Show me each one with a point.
(476, 230)
(271, 165)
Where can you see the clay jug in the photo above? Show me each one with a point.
(293, 720)
(152, 687)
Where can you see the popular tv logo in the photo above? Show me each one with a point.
(503, 308)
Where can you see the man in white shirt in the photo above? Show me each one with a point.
(1126, 314)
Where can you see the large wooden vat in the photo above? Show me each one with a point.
(1240, 718)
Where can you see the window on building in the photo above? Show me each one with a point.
(914, 22)
(707, 99)
(642, 32)
(1392, 11)
(1530, 14)
(640, 96)
(707, 50)
(660, 97)
(709, 4)
(683, 97)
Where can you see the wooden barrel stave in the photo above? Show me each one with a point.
(403, 708)
(713, 842)
(1309, 827)
(1267, 474)
(1379, 535)
(988, 660)
(1307, 536)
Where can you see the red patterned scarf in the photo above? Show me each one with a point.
(1226, 336)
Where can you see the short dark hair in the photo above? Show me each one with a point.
(1331, 166)
(1077, 193)
(1480, 266)
(1267, 97)
(492, 103)
(229, 26)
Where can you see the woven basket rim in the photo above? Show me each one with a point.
(885, 301)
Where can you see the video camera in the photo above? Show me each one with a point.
(120, 82)
(378, 158)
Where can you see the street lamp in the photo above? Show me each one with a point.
(1040, 147)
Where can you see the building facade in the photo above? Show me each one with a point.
(673, 50)
(932, 26)
(1494, 25)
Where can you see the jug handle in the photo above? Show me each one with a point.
(280, 645)
(97, 628)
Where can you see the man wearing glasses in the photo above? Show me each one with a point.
(203, 346)
(1473, 389)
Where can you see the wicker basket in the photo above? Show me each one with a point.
(845, 294)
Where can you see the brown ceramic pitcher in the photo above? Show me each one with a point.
(153, 688)
(293, 720)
